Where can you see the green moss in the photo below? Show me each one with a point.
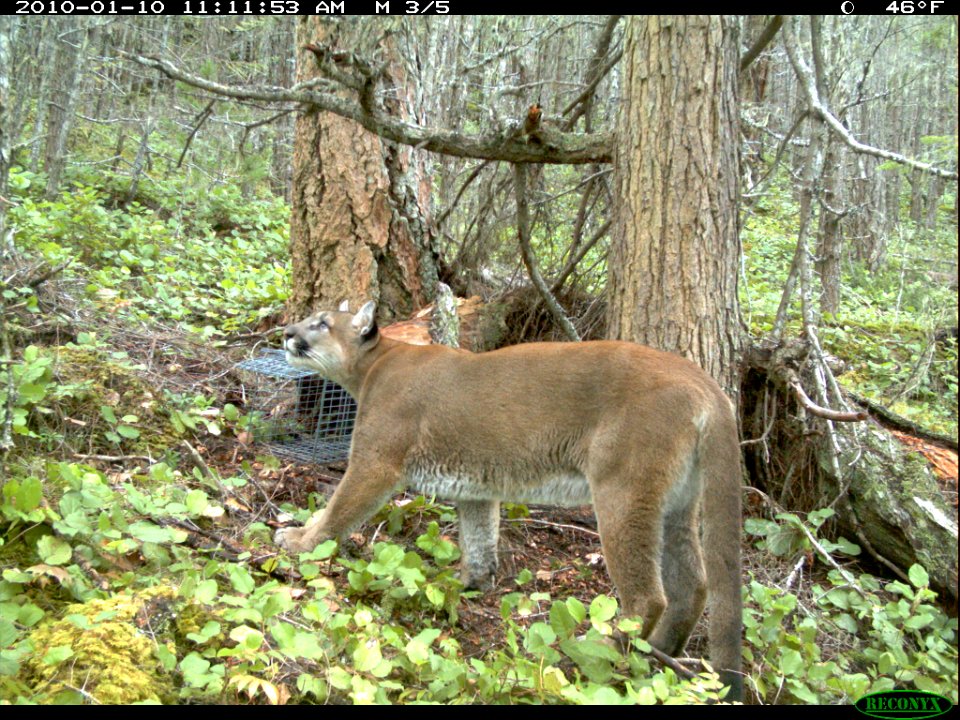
(192, 619)
(101, 650)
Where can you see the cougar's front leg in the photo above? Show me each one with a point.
(362, 491)
(479, 532)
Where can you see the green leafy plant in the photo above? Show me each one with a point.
(893, 634)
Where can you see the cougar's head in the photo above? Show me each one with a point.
(330, 343)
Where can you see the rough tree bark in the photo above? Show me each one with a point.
(675, 252)
(6, 41)
(358, 229)
(829, 238)
(71, 46)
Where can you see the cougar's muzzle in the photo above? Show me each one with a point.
(293, 343)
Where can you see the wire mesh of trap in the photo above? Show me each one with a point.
(296, 413)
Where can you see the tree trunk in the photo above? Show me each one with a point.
(279, 40)
(6, 49)
(674, 258)
(71, 45)
(829, 238)
(800, 452)
(358, 229)
(44, 50)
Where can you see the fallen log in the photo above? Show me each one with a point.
(887, 498)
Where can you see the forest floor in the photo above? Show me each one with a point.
(560, 547)
(547, 554)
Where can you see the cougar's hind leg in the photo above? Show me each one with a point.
(632, 541)
(479, 532)
(683, 575)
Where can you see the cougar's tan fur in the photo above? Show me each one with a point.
(645, 436)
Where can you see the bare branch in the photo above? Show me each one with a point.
(201, 119)
(781, 147)
(766, 37)
(557, 148)
(456, 200)
(793, 382)
(575, 260)
(595, 73)
(588, 91)
(523, 234)
(820, 111)
(247, 128)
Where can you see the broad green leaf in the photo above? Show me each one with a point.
(247, 636)
(206, 591)
(29, 495)
(539, 638)
(241, 579)
(646, 696)
(578, 610)
(791, 662)
(8, 633)
(29, 614)
(148, 532)
(56, 655)
(417, 651)
(435, 595)
(561, 620)
(919, 577)
(31, 393)
(602, 609)
(387, 558)
(53, 550)
(367, 655)
(131, 433)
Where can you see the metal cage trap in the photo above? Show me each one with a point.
(296, 413)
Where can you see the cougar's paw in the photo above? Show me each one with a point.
(291, 540)
(478, 579)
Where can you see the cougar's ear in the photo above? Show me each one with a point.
(365, 322)
(344, 306)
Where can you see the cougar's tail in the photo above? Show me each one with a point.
(720, 464)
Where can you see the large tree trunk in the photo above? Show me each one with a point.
(358, 229)
(674, 258)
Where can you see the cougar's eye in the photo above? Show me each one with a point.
(320, 324)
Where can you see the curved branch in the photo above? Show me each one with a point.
(523, 233)
(594, 73)
(819, 110)
(793, 382)
(557, 148)
(766, 36)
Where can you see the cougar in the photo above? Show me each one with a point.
(647, 437)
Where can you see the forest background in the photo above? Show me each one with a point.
(172, 190)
